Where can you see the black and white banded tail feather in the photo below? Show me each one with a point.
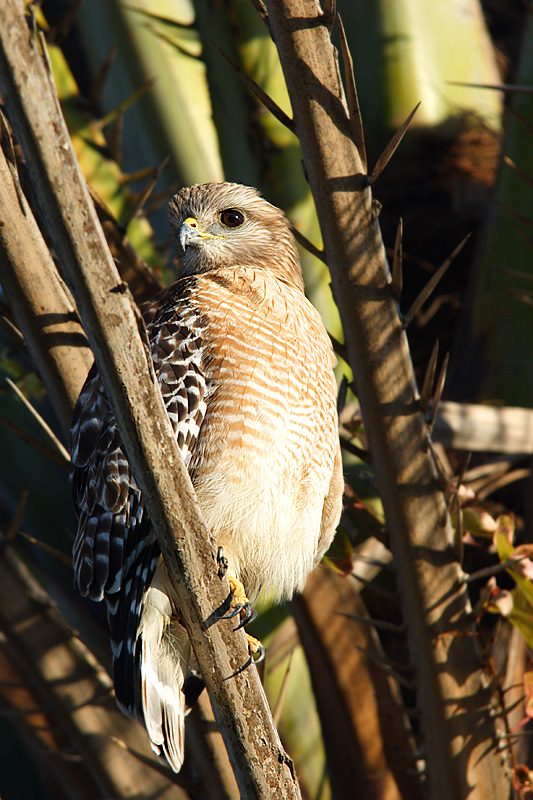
(116, 552)
(164, 654)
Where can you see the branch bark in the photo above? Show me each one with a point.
(453, 696)
(43, 308)
(261, 766)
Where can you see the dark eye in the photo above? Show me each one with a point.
(231, 218)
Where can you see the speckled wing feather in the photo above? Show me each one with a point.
(116, 552)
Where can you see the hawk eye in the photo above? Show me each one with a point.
(231, 218)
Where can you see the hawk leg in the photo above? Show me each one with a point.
(240, 606)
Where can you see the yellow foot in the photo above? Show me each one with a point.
(255, 648)
(238, 592)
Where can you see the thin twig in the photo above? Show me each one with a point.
(427, 386)
(276, 714)
(36, 443)
(356, 123)
(125, 104)
(46, 548)
(46, 429)
(98, 84)
(143, 196)
(438, 393)
(308, 245)
(261, 95)
(397, 263)
(431, 284)
(15, 521)
(379, 624)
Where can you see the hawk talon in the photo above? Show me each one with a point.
(233, 613)
(249, 615)
(255, 648)
(222, 563)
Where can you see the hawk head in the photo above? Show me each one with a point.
(227, 226)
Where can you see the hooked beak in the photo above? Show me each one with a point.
(191, 235)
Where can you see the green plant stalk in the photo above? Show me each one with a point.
(502, 315)
(174, 117)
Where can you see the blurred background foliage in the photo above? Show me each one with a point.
(144, 81)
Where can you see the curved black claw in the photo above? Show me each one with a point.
(234, 611)
(261, 652)
(249, 615)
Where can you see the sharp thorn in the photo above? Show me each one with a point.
(276, 714)
(390, 149)
(62, 30)
(339, 348)
(350, 447)
(520, 172)
(46, 548)
(261, 95)
(372, 586)
(397, 263)
(46, 56)
(438, 393)
(356, 123)
(138, 175)
(11, 158)
(379, 624)
(114, 138)
(261, 10)
(60, 450)
(341, 395)
(96, 89)
(14, 523)
(460, 480)
(129, 101)
(488, 572)
(141, 199)
(386, 667)
(307, 245)
(431, 284)
(444, 478)
(9, 327)
(329, 13)
(427, 386)
(36, 443)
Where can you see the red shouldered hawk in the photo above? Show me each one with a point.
(245, 369)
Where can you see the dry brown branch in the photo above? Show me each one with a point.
(42, 305)
(260, 763)
(75, 694)
(467, 426)
(453, 698)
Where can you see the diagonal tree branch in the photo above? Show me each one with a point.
(458, 733)
(112, 324)
(42, 305)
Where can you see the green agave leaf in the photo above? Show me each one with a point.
(502, 313)
(410, 51)
(522, 614)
